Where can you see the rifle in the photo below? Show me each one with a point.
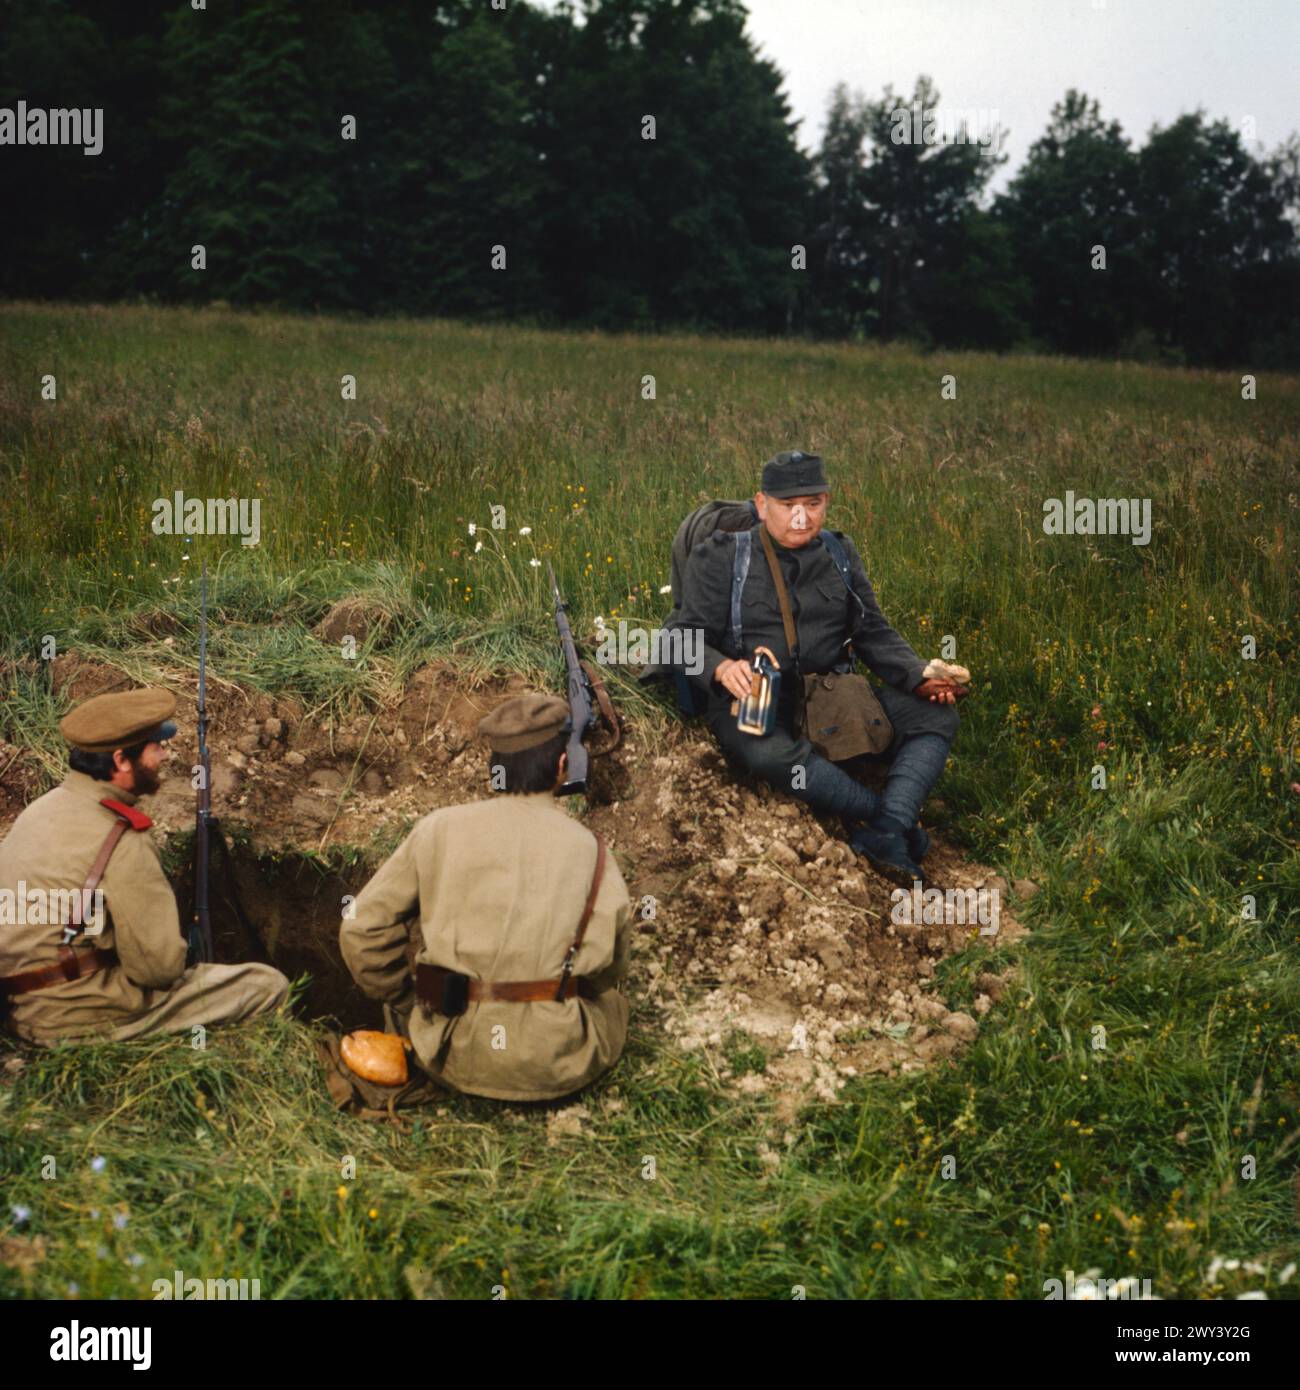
(201, 927)
(207, 828)
(587, 693)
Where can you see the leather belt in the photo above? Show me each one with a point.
(430, 981)
(448, 992)
(71, 965)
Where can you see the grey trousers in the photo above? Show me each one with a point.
(829, 789)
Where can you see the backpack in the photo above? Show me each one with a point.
(739, 517)
(697, 527)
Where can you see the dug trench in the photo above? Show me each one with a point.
(759, 935)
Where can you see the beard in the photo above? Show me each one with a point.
(143, 781)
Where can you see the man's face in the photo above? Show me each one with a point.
(143, 776)
(793, 521)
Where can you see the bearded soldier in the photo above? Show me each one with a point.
(523, 928)
(119, 974)
(797, 592)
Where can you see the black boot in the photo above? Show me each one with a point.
(885, 846)
(916, 839)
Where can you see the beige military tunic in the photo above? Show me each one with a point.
(52, 846)
(499, 888)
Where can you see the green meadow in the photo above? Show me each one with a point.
(1168, 919)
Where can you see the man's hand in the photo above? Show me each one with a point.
(733, 676)
(941, 692)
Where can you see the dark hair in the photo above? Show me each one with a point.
(532, 770)
(100, 766)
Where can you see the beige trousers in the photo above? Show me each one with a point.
(208, 994)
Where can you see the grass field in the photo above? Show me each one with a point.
(1130, 1159)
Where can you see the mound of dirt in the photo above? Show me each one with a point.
(292, 783)
(762, 938)
(759, 920)
(351, 617)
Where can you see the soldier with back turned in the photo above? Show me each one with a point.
(516, 989)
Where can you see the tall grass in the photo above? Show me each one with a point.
(1086, 652)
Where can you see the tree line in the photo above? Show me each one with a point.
(622, 164)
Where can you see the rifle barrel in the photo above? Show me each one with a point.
(201, 932)
(581, 710)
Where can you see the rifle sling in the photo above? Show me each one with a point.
(605, 704)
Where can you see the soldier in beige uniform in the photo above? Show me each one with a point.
(502, 1004)
(123, 975)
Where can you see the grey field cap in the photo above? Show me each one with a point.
(794, 474)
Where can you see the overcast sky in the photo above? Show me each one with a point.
(1146, 61)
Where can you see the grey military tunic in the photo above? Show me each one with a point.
(825, 615)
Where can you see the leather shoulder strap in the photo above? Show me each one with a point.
(82, 900)
(590, 906)
(783, 598)
(572, 953)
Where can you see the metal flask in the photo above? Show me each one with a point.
(756, 713)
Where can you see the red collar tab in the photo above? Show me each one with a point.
(137, 820)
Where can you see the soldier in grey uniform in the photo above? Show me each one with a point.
(792, 509)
